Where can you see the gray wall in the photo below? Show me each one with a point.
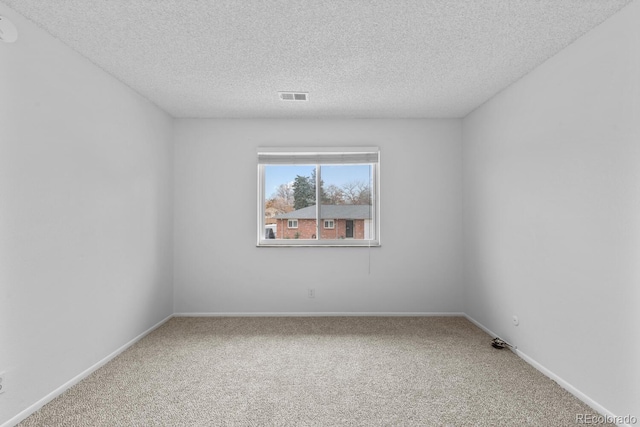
(552, 214)
(85, 216)
(218, 268)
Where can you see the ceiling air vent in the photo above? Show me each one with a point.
(293, 96)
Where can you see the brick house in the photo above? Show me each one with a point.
(338, 222)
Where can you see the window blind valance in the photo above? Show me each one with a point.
(324, 156)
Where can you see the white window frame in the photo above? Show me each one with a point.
(333, 224)
(320, 156)
(291, 221)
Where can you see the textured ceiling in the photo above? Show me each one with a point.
(355, 58)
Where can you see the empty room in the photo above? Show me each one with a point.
(318, 213)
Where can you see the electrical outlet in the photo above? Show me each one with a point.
(516, 321)
(2, 384)
(311, 293)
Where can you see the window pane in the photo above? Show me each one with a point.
(342, 212)
(347, 199)
(290, 202)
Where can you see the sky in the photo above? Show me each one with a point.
(331, 174)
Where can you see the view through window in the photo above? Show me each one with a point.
(331, 202)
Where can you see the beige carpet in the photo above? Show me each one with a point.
(326, 371)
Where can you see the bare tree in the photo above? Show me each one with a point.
(285, 192)
(279, 205)
(357, 193)
(334, 195)
(282, 199)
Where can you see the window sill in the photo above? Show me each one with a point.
(341, 243)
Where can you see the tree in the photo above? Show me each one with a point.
(357, 193)
(364, 197)
(351, 193)
(312, 181)
(279, 205)
(285, 193)
(304, 194)
(334, 195)
(282, 199)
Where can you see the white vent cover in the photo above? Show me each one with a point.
(294, 96)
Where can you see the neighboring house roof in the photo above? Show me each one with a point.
(330, 212)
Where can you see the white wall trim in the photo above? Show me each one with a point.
(322, 314)
(561, 382)
(570, 388)
(73, 381)
(481, 326)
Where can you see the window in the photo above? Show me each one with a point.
(298, 188)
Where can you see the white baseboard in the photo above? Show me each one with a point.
(570, 388)
(547, 372)
(322, 314)
(481, 326)
(73, 381)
